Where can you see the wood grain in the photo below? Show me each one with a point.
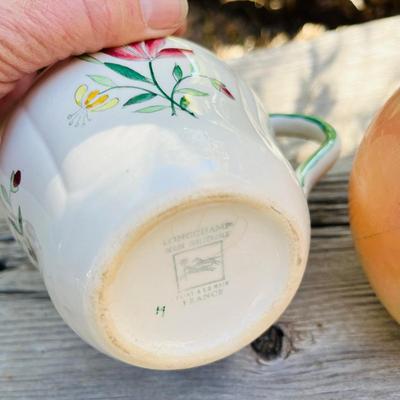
(338, 340)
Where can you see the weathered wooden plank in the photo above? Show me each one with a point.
(344, 76)
(338, 340)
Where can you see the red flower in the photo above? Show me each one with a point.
(147, 50)
(226, 92)
(16, 180)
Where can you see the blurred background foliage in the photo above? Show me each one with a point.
(233, 27)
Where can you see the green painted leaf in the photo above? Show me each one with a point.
(20, 221)
(14, 225)
(177, 72)
(102, 80)
(193, 68)
(184, 102)
(87, 58)
(192, 92)
(140, 98)
(216, 83)
(151, 109)
(5, 194)
(31, 251)
(127, 72)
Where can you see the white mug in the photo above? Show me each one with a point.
(146, 184)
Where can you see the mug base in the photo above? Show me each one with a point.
(198, 283)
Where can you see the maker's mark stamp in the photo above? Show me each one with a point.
(199, 266)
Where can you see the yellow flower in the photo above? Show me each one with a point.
(93, 101)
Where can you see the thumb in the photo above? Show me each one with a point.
(37, 33)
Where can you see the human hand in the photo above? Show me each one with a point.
(37, 33)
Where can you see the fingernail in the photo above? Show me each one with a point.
(164, 14)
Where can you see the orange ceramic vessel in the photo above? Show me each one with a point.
(375, 204)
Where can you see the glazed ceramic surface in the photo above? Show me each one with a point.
(374, 204)
(146, 184)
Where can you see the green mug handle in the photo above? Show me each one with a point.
(311, 128)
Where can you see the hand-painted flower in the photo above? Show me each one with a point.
(147, 50)
(221, 87)
(16, 179)
(93, 101)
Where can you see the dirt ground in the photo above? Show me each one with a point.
(233, 27)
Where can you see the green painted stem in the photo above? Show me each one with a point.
(163, 94)
(174, 104)
(153, 77)
(174, 90)
(126, 87)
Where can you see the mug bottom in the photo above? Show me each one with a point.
(198, 283)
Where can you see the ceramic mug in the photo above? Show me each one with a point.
(146, 184)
